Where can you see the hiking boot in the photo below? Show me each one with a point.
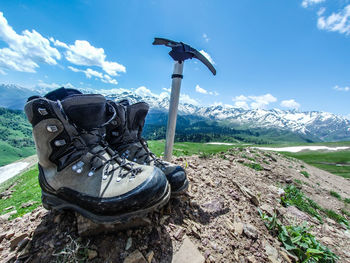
(124, 136)
(78, 171)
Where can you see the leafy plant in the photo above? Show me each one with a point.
(299, 241)
(335, 194)
(254, 166)
(347, 200)
(305, 173)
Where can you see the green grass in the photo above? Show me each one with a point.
(9, 154)
(27, 189)
(347, 200)
(254, 166)
(188, 148)
(334, 162)
(335, 194)
(295, 197)
(305, 173)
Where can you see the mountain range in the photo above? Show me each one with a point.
(309, 125)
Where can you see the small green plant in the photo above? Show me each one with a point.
(345, 212)
(305, 173)
(293, 196)
(347, 200)
(254, 166)
(204, 155)
(335, 194)
(338, 218)
(266, 162)
(302, 166)
(299, 241)
(298, 181)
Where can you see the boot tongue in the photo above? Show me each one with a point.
(136, 118)
(86, 111)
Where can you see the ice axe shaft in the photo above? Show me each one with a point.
(173, 107)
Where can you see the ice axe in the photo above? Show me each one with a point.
(179, 52)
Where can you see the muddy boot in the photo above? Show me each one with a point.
(124, 136)
(77, 170)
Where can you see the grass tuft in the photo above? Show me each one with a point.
(335, 194)
(305, 173)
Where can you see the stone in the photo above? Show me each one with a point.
(2, 236)
(9, 208)
(238, 227)
(91, 254)
(28, 204)
(214, 206)
(292, 211)
(150, 256)
(135, 257)
(188, 252)
(267, 209)
(327, 240)
(179, 233)
(272, 253)
(6, 217)
(250, 231)
(22, 243)
(128, 244)
(10, 234)
(87, 227)
(285, 257)
(18, 238)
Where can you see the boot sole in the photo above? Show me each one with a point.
(181, 191)
(52, 202)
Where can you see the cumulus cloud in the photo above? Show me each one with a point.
(207, 56)
(307, 3)
(204, 91)
(201, 90)
(167, 90)
(51, 86)
(292, 104)
(26, 50)
(336, 22)
(89, 73)
(341, 88)
(256, 102)
(184, 98)
(205, 37)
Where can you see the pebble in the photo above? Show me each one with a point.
(250, 231)
(91, 254)
(128, 244)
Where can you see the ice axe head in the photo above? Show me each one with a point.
(180, 52)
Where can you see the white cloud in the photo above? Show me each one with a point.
(290, 104)
(207, 56)
(341, 88)
(89, 73)
(204, 91)
(167, 90)
(82, 53)
(256, 102)
(25, 50)
(336, 22)
(201, 90)
(205, 37)
(241, 104)
(184, 98)
(240, 98)
(307, 3)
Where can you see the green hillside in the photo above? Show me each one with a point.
(15, 136)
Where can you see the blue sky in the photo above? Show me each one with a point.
(268, 54)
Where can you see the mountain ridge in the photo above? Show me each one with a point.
(322, 126)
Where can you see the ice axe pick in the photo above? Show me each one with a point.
(179, 52)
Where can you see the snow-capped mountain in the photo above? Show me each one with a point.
(322, 125)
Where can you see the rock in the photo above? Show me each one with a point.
(179, 233)
(6, 217)
(135, 257)
(267, 209)
(9, 208)
(18, 238)
(272, 253)
(128, 244)
(251, 259)
(91, 254)
(284, 253)
(2, 236)
(28, 204)
(188, 252)
(327, 240)
(281, 192)
(150, 256)
(214, 206)
(286, 257)
(87, 227)
(292, 211)
(238, 227)
(288, 180)
(250, 231)
(22, 243)
(10, 234)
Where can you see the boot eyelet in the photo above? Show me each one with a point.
(52, 128)
(60, 142)
(42, 111)
(79, 170)
(104, 177)
(119, 179)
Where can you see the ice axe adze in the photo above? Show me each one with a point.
(179, 52)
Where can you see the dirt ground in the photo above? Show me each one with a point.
(219, 215)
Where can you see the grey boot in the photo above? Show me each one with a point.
(76, 168)
(124, 136)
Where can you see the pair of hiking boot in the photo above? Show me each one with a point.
(93, 160)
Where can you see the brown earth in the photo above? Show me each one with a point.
(218, 216)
